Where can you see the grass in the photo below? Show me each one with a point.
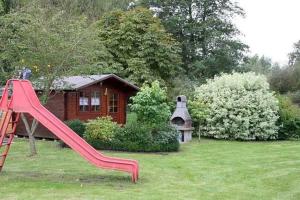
(201, 170)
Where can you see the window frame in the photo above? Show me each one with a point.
(85, 95)
(115, 103)
(91, 97)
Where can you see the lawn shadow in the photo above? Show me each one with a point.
(69, 178)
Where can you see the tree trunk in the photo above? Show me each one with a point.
(30, 131)
(199, 136)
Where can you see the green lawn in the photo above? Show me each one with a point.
(201, 170)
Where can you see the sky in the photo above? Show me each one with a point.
(270, 27)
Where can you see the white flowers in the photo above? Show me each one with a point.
(239, 106)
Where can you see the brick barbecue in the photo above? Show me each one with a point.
(182, 120)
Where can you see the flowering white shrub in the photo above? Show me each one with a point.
(239, 106)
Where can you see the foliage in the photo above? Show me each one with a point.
(150, 105)
(257, 64)
(166, 137)
(199, 112)
(139, 137)
(12, 28)
(77, 126)
(2, 8)
(93, 9)
(294, 96)
(102, 129)
(289, 120)
(240, 106)
(140, 45)
(286, 79)
(46, 40)
(181, 85)
(206, 32)
(294, 56)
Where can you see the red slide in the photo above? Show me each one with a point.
(25, 100)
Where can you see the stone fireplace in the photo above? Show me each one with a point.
(182, 120)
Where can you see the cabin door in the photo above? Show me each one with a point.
(114, 105)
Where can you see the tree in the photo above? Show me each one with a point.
(206, 33)
(285, 79)
(12, 28)
(139, 45)
(257, 64)
(49, 42)
(8, 5)
(93, 9)
(2, 8)
(294, 56)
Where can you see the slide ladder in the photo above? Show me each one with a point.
(8, 125)
(20, 97)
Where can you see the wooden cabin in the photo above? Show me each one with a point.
(86, 97)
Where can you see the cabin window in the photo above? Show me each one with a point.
(83, 102)
(113, 103)
(95, 101)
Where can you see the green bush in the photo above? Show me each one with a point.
(167, 138)
(77, 126)
(237, 106)
(150, 105)
(289, 119)
(102, 129)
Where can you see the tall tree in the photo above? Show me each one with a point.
(12, 28)
(50, 43)
(139, 45)
(206, 32)
(93, 9)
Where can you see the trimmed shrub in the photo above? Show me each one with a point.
(102, 129)
(289, 120)
(239, 106)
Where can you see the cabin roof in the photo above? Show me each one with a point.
(79, 82)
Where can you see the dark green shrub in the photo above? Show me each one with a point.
(166, 138)
(289, 120)
(139, 137)
(77, 126)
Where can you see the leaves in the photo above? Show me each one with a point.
(150, 105)
(236, 106)
(139, 43)
(206, 32)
